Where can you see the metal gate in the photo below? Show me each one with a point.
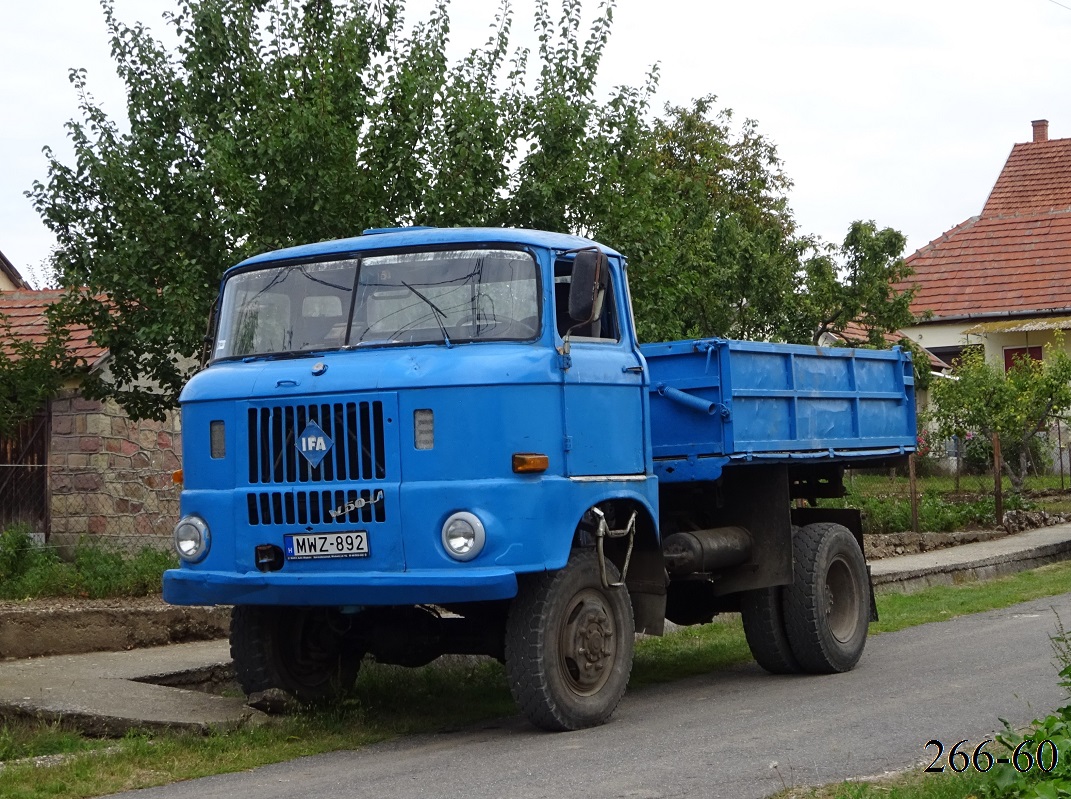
(24, 495)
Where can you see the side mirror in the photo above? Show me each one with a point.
(588, 286)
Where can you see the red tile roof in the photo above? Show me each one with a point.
(1036, 179)
(1015, 258)
(25, 312)
(997, 264)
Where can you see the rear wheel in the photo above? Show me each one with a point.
(763, 614)
(300, 650)
(827, 606)
(569, 644)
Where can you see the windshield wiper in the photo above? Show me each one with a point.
(439, 314)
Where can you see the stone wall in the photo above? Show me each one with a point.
(111, 477)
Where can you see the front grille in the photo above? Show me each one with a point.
(355, 430)
(316, 507)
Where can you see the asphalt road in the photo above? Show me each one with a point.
(737, 734)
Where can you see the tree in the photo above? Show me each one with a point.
(856, 284)
(1015, 405)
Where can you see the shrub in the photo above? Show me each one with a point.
(892, 513)
(20, 554)
(29, 570)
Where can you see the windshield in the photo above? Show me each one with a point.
(424, 297)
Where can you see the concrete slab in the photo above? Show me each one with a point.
(109, 693)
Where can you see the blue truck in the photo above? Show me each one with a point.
(424, 441)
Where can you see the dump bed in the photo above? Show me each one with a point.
(715, 401)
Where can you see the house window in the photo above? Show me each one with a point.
(1011, 353)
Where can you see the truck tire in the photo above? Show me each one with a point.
(763, 614)
(569, 644)
(293, 648)
(827, 606)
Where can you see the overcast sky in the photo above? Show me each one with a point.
(902, 112)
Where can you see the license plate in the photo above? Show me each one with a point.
(326, 545)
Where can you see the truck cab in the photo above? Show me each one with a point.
(407, 419)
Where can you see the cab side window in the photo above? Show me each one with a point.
(605, 328)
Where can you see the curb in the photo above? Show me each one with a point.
(29, 632)
(914, 573)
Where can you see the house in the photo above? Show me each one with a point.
(10, 279)
(80, 466)
(1002, 279)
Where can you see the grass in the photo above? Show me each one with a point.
(940, 603)
(29, 570)
(392, 701)
(915, 785)
(32, 738)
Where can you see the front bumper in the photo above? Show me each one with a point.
(418, 587)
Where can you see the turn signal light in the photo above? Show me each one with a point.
(530, 463)
(176, 477)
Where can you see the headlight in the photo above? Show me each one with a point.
(463, 536)
(191, 538)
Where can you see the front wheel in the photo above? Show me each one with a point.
(569, 644)
(300, 650)
(827, 606)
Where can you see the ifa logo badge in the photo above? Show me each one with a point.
(314, 443)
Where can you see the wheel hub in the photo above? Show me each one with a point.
(842, 601)
(587, 643)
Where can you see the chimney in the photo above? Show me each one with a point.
(1041, 129)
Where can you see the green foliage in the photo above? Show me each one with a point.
(1015, 405)
(278, 123)
(856, 285)
(715, 254)
(714, 247)
(978, 454)
(937, 513)
(29, 570)
(20, 556)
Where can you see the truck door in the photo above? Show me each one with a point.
(603, 388)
